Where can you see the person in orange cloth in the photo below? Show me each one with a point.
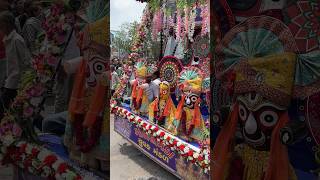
(87, 113)
(189, 122)
(139, 97)
(162, 109)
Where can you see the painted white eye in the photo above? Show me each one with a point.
(194, 98)
(269, 118)
(164, 92)
(99, 67)
(243, 114)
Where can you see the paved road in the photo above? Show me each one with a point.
(128, 163)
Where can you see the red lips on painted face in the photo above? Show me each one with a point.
(257, 118)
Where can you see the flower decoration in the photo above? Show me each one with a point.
(57, 24)
(179, 25)
(38, 161)
(146, 22)
(198, 157)
(192, 23)
(205, 15)
(19, 118)
(157, 24)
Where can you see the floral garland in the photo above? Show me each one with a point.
(179, 25)
(128, 70)
(157, 24)
(34, 83)
(170, 21)
(200, 158)
(146, 23)
(205, 24)
(38, 161)
(192, 22)
(16, 126)
(57, 24)
(121, 87)
(186, 21)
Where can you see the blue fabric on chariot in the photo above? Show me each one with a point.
(55, 144)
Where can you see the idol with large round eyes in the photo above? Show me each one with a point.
(96, 66)
(243, 113)
(268, 118)
(190, 100)
(257, 118)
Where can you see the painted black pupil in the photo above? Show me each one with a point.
(268, 118)
(241, 112)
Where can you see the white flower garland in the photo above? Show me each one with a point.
(205, 19)
(201, 159)
(192, 23)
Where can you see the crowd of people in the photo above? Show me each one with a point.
(118, 68)
(20, 25)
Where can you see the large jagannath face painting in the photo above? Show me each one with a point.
(190, 100)
(96, 64)
(257, 117)
(95, 50)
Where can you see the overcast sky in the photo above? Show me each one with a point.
(123, 11)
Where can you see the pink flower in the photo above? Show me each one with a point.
(186, 20)
(205, 19)
(35, 91)
(179, 21)
(157, 24)
(52, 61)
(16, 130)
(28, 111)
(60, 38)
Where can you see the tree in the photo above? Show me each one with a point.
(124, 38)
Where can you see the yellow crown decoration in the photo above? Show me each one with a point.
(191, 79)
(164, 89)
(164, 85)
(98, 31)
(272, 76)
(141, 69)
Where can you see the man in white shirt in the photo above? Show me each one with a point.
(114, 79)
(18, 59)
(153, 89)
(32, 27)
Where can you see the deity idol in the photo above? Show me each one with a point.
(268, 80)
(162, 109)
(188, 118)
(263, 88)
(139, 99)
(89, 96)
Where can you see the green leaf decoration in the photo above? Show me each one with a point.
(97, 9)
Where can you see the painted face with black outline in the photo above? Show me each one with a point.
(164, 90)
(257, 118)
(190, 100)
(96, 64)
